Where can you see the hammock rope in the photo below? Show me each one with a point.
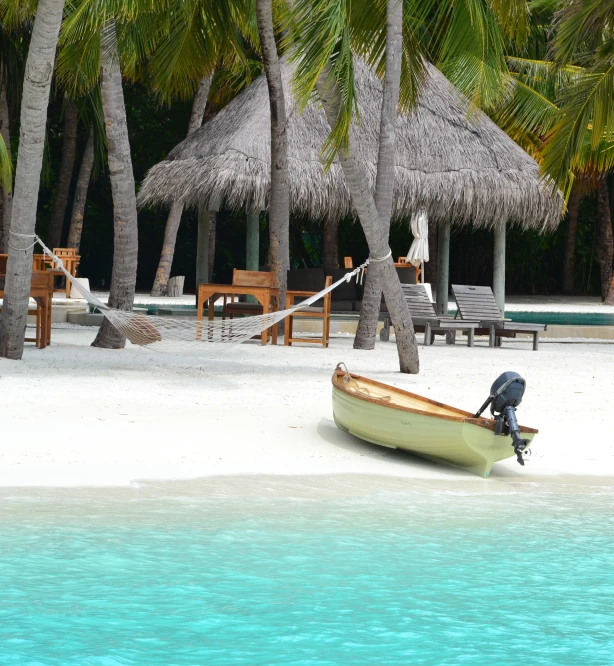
(171, 334)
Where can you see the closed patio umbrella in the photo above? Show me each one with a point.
(419, 250)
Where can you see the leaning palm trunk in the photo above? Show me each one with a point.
(123, 277)
(174, 217)
(279, 200)
(6, 197)
(34, 102)
(386, 162)
(78, 206)
(606, 244)
(69, 148)
(364, 204)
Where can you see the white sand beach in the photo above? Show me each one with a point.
(73, 415)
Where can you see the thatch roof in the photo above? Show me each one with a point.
(452, 161)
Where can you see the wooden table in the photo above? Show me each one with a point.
(268, 297)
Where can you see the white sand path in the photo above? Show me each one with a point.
(75, 415)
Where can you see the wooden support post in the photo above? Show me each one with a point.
(202, 247)
(202, 242)
(252, 246)
(443, 268)
(498, 278)
(252, 243)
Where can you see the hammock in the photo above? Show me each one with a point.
(166, 333)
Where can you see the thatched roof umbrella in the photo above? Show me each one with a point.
(452, 161)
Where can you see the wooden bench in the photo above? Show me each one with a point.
(310, 312)
(479, 304)
(425, 318)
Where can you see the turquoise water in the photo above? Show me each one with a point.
(443, 575)
(550, 318)
(563, 318)
(559, 318)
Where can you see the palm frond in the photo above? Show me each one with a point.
(471, 53)
(586, 107)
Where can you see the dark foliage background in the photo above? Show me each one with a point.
(534, 260)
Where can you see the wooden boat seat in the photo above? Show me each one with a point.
(426, 319)
(479, 304)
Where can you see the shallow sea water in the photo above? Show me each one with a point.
(325, 571)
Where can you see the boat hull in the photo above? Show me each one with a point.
(452, 442)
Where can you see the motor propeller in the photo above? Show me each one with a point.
(505, 395)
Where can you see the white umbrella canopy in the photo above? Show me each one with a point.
(419, 250)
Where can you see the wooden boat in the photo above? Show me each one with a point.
(397, 419)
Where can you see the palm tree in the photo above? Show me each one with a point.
(583, 36)
(125, 230)
(279, 198)
(198, 37)
(83, 180)
(69, 149)
(550, 112)
(35, 98)
(91, 48)
(467, 41)
(174, 216)
(6, 172)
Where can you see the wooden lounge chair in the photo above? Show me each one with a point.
(319, 310)
(478, 304)
(425, 318)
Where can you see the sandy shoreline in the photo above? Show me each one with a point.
(76, 416)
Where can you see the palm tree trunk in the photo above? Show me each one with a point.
(69, 148)
(606, 244)
(123, 276)
(330, 244)
(6, 198)
(83, 181)
(570, 242)
(174, 217)
(279, 199)
(386, 162)
(364, 203)
(34, 102)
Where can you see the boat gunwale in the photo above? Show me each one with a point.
(464, 416)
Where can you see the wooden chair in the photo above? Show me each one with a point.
(402, 263)
(348, 262)
(479, 304)
(247, 279)
(309, 312)
(70, 260)
(41, 290)
(425, 317)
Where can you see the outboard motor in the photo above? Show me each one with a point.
(505, 395)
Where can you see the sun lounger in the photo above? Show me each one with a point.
(425, 318)
(478, 304)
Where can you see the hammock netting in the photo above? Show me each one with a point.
(170, 334)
